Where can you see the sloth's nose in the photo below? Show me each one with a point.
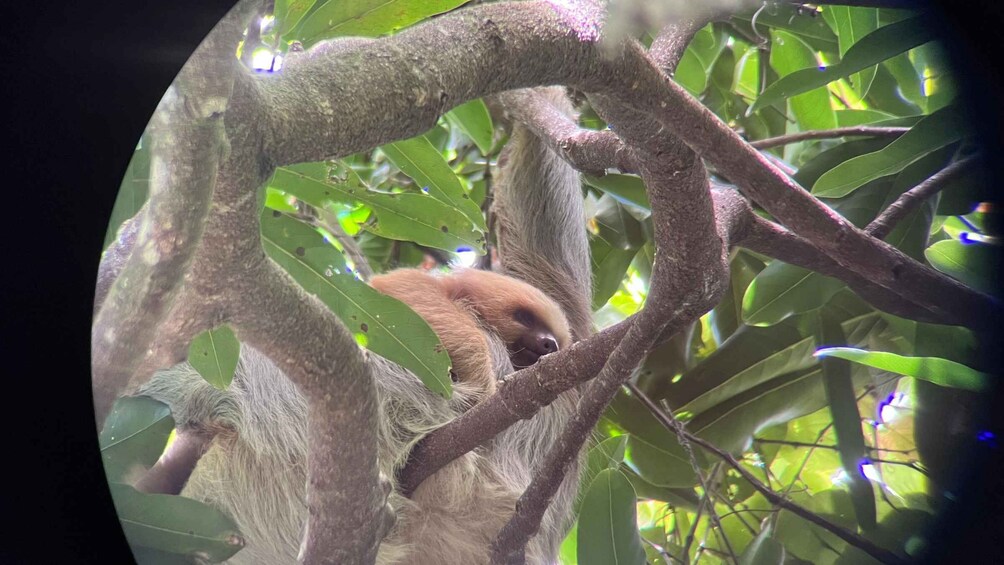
(546, 344)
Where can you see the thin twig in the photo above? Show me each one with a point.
(825, 446)
(911, 199)
(870, 131)
(671, 423)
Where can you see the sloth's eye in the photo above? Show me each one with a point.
(524, 317)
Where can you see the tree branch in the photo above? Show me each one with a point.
(149, 280)
(775, 241)
(549, 44)
(870, 131)
(347, 509)
(670, 422)
(510, 545)
(519, 396)
(911, 199)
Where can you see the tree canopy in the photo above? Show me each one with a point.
(814, 410)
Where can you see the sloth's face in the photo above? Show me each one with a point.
(535, 341)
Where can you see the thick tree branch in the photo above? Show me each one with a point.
(549, 45)
(869, 131)
(911, 199)
(114, 258)
(670, 422)
(347, 509)
(186, 144)
(691, 265)
(775, 241)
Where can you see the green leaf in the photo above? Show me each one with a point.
(608, 528)
(933, 369)
(726, 317)
(782, 290)
(749, 357)
(973, 263)
(369, 18)
(134, 436)
(811, 108)
(872, 49)
(288, 13)
(403, 216)
(653, 451)
(417, 158)
(175, 524)
(850, 118)
(809, 541)
(911, 234)
(810, 172)
(931, 133)
(607, 454)
(617, 238)
(846, 421)
(691, 74)
(763, 550)
(731, 424)
(852, 25)
(626, 188)
(132, 192)
(390, 328)
(473, 119)
(213, 354)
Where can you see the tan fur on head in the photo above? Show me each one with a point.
(497, 298)
(454, 304)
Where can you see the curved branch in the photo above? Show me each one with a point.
(869, 131)
(186, 143)
(347, 509)
(911, 199)
(775, 241)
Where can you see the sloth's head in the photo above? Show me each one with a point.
(531, 324)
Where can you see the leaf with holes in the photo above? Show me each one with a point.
(402, 216)
(213, 354)
(175, 524)
(385, 325)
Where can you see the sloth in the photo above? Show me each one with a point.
(255, 469)
(465, 305)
